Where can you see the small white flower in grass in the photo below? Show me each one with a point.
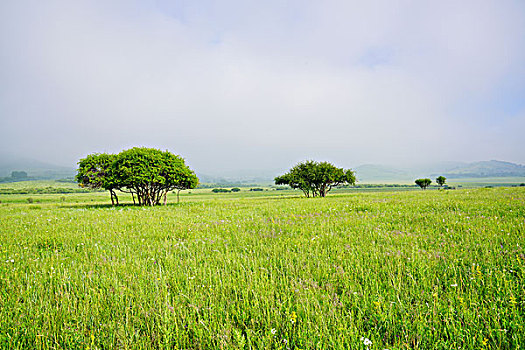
(454, 285)
(274, 331)
(366, 342)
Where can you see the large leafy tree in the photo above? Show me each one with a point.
(147, 173)
(423, 183)
(316, 178)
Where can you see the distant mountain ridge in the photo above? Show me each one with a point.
(451, 170)
(34, 168)
(365, 173)
(491, 168)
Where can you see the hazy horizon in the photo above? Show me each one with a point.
(369, 173)
(237, 85)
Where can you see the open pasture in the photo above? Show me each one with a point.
(406, 269)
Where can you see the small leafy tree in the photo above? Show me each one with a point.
(440, 180)
(316, 178)
(423, 183)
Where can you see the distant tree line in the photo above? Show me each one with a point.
(235, 189)
(221, 190)
(46, 190)
(16, 176)
(377, 186)
(147, 174)
(67, 180)
(224, 185)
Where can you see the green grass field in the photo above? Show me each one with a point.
(263, 270)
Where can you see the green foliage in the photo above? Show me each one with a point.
(423, 183)
(96, 171)
(147, 173)
(316, 178)
(236, 189)
(256, 189)
(440, 180)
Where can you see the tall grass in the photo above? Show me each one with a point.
(426, 269)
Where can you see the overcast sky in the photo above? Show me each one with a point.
(264, 84)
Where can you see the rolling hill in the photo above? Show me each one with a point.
(492, 168)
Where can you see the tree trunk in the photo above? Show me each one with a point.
(114, 198)
(178, 191)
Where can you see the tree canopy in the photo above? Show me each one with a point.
(97, 171)
(316, 178)
(440, 180)
(423, 183)
(147, 173)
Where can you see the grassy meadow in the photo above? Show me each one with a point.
(265, 270)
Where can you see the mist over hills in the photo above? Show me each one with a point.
(239, 177)
(451, 170)
(492, 168)
(365, 173)
(34, 168)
